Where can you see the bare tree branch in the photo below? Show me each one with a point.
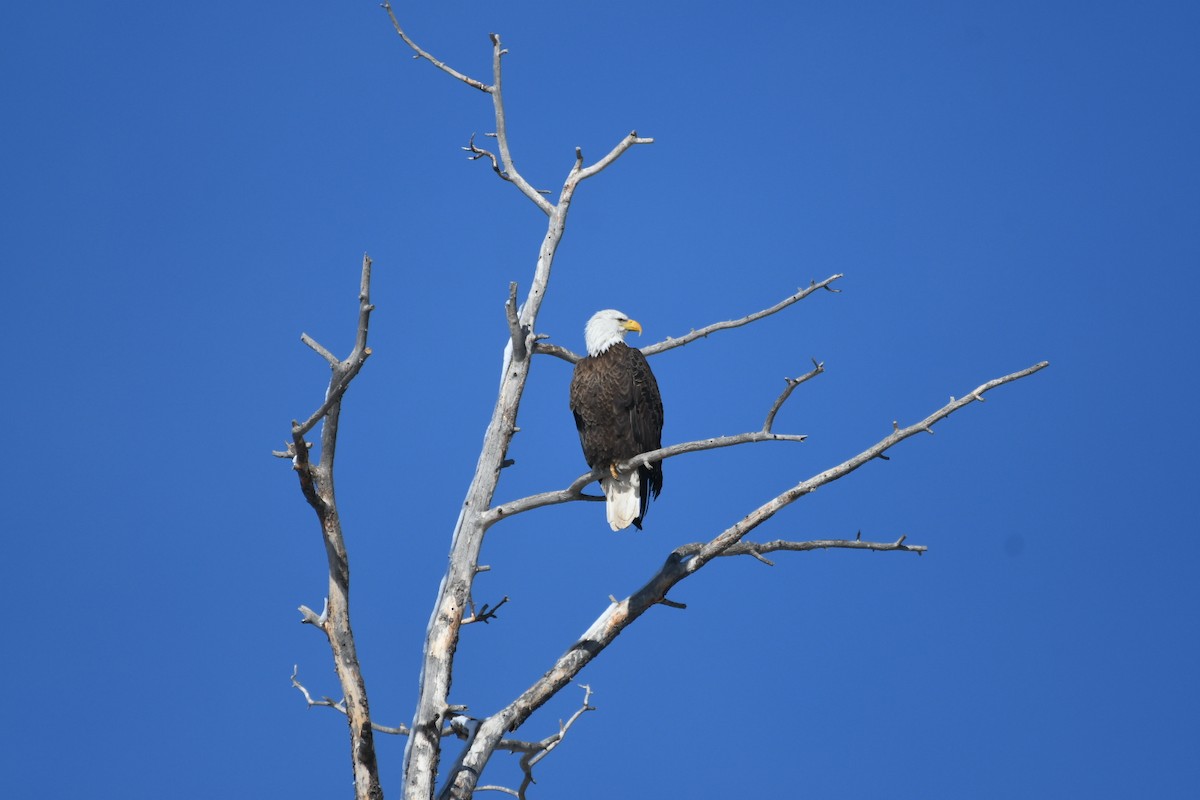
(340, 707)
(558, 351)
(768, 510)
(321, 351)
(485, 614)
(533, 751)
(518, 334)
(422, 753)
(478, 152)
(575, 490)
(509, 745)
(792, 383)
(316, 481)
(435, 715)
(510, 169)
(746, 320)
(620, 614)
(483, 87)
(549, 743)
(580, 172)
(670, 343)
(756, 549)
(505, 168)
(552, 741)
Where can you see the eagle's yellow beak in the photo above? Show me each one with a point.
(632, 325)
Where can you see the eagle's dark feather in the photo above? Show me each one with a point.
(619, 413)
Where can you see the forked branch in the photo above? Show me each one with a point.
(580, 172)
(792, 383)
(678, 567)
(423, 753)
(340, 706)
(316, 481)
(504, 165)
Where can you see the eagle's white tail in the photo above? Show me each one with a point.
(622, 499)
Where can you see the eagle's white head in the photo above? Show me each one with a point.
(606, 328)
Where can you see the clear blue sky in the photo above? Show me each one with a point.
(187, 188)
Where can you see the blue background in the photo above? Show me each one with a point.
(188, 187)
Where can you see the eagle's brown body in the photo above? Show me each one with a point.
(619, 414)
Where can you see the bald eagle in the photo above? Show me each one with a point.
(619, 414)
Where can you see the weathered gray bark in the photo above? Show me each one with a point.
(316, 481)
(434, 717)
(685, 561)
(422, 754)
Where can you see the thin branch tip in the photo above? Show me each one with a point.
(673, 342)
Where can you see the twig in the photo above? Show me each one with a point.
(319, 349)
(550, 742)
(580, 172)
(340, 707)
(669, 343)
(483, 87)
(510, 170)
(478, 153)
(343, 371)
(792, 383)
(510, 745)
(746, 320)
(485, 614)
(756, 549)
(504, 165)
(310, 617)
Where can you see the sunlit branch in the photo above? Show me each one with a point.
(317, 484)
(746, 320)
(478, 152)
(518, 334)
(483, 87)
(620, 614)
(340, 707)
(580, 172)
(792, 383)
(423, 753)
(533, 751)
(510, 170)
(558, 351)
(756, 549)
(574, 491)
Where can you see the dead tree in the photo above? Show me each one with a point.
(427, 770)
